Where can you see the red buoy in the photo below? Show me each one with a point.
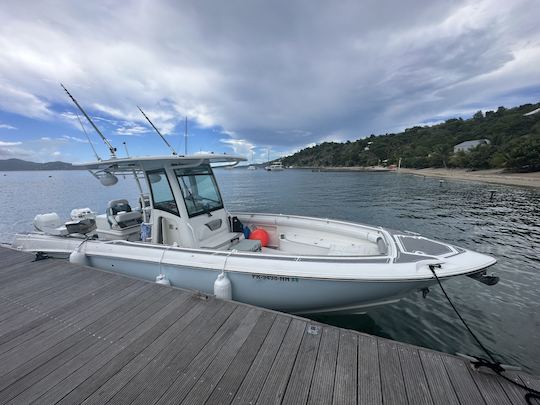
(260, 234)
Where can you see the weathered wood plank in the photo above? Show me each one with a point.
(192, 387)
(109, 388)
(155, 378)
(392, 383)
(228, 385)
(464, 385)
(32, 329)
(105, 326)
(61, 381)
(438, 380)
(278, 377)
(322, 385)
(346, 384)
(39, 344)
(178, 307)
(369, 375)
(414, 377)
(300, 380)
(98, 317)
(181, 374)
(490, 388)
(212, 379)
(256, 376)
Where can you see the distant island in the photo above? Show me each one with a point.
(18, 164)
(503, 139)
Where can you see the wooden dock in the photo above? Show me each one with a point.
(70, 334)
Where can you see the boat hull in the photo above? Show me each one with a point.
(283, 293)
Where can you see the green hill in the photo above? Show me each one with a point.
(514, 144)
(18, 164)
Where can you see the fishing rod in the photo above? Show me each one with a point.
(87, 137)
(112, 149)
(157, 130)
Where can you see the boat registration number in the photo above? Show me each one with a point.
(274, 278)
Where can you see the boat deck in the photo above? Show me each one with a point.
(70, 334)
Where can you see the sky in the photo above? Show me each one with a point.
(253, 77)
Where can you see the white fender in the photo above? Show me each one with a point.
(223, 287)
(163, 280)
(77, 257)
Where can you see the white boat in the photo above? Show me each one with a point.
(277, 166)
(182, 234)
(251, 167)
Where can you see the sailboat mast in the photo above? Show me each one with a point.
(112, 149)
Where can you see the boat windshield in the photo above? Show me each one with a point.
(199, 189)
(161, 191)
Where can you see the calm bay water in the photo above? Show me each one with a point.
(506, 316)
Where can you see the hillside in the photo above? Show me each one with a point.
(18, 164)
(514, 136)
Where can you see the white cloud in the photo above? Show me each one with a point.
(2, 143)
(131, 129)
(239, 146)
(6, 126)
(284, 74)
(74, 139)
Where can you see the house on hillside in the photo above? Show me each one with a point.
(468, 145)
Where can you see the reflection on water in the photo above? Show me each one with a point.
(506, 316)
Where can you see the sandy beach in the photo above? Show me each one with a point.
(486, 176)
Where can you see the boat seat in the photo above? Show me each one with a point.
(120, 215)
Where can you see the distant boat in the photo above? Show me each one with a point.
(252, 168)
(278, 166)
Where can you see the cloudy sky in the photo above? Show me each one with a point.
(251, 75)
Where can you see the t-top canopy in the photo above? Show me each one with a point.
(139, 162)
(105, 170)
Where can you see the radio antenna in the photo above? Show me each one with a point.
(185, 138)
(87, 137)
(112, 149)
(157, 130)
(125, 147)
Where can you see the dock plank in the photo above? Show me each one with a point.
(252, 385)
(212, 379)
(346, 383)
(61, 381)
(464, 386)
(414, 376)
(438, 380)
(369, 375)
(302, 373)
(194, 385)
(156, 377)
(392, 382)
(228, 385)
(278, 376)
(322, 385)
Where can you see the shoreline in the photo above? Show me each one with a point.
(494, 176)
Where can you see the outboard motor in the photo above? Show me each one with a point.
(50, 223)
(83, 222)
